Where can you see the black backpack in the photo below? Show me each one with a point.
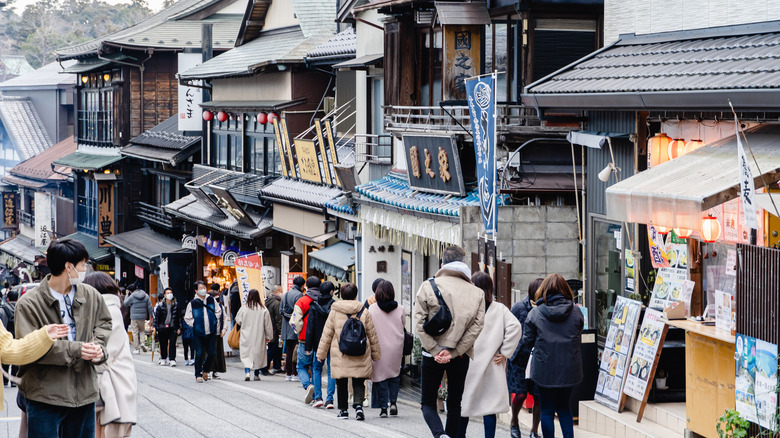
(353, 339)
(441, 321)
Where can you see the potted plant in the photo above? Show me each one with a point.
(731, 425)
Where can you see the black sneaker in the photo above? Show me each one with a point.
(359, 416)
(383, 413)
(393, 409)
(343, 415)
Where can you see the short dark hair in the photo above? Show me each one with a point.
(385, 292)
(533, 286)
(160, 296)
(199, 283)
(312, 281)
(326, 288)
(452, 254)
(349, 291)
(168, 289)
(214, 286)
(131, 287)
(65, 251)
(102, 282)
(299, 281)
(12, 295)
(376, 283)
(484, 282)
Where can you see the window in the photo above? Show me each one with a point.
(163, 190)
(96, 111)
(87, 206)
(429, 66)
(226, 144)
(502, 55)
(263, 155)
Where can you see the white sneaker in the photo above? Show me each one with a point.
(136, 351)
(288, 378)
(172, 363)
(161, 362)
(295, 379)
(248, 377)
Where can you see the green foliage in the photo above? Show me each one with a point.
(731, 425)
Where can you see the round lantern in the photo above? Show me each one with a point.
(692, 146)
(682, 233)
(272, 116)
(658, 148)
(222, 116)
(262, 118)
(661, 230)
(710, 229)
(676, 148)
(208, 115)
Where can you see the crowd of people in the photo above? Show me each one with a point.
(76, 373)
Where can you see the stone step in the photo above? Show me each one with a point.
(600, 419)
(670, 415)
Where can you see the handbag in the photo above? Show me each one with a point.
(408, 343)
(234, 338)
(442, 319)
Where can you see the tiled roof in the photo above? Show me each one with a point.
(245, 187)
(301, 192)
(163, 143)
(394, 190)
(343, 45)
(192, 210)
(144, 243)
(316, 17)
(47, 76)
(39, 167)
(87, 161)
(23, 125)
(15, 65)
(340, 205)
(91, 243)
(21, 247)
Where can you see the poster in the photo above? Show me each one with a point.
(671, 284)
(249, 275)
(676, 251)
(645, 351)
(482, 109)
(190, 98)
(105, 212)
(657, 248)
(756, 380)
(722, 310)
(630, 273)
(617, 350)
(290, 277)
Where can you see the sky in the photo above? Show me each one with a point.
(154, 5)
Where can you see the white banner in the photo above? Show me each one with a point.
(190, 98)
(746, 184)
(42, 220)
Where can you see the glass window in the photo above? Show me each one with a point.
(607, 269)
(220, 151)
(87, 206)
(163, 190)
(96, 113)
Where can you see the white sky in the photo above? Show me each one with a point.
(154, 5)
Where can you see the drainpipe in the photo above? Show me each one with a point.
(141, 68)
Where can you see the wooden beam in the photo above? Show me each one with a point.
(258, 23)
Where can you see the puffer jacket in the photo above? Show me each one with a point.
(343, 366)
(520, 311)
(318, 316)
(140, 305)
(161, 314)
(272, 304)
(286, 308)
(554, 331)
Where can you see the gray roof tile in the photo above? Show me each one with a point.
(315, 16)
(300, 192)
(343, 43)
(24, 126)
(47, 76)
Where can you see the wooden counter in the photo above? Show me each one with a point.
(709, 375)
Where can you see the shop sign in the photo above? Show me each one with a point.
(190, 98)
(189, 242)
(287, 169)
(249, 274)
(139, 271)
(104, 268)
(671, 285)
(482, 111)
(657, 252)
(462, 49)
(9, 210)
(231, 207)
(270, 276)
(308, 162)
(291, 276)
(229, 258)
(105, 212)
(434, 164)
(756, 381)
(42, 220)
(746, 186)
(617, 350)
(641, 368)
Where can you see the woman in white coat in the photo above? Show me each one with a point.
(257, 330)
(117, 382)
(485, 393)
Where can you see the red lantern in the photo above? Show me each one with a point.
(658, 148)
(222, 116)
(693, 145)
(208, 115)
(262, 118)
(272, 116)
(661, 230)
(710, 229)
(682, 233)
(676, 148)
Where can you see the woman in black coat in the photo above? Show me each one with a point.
(554, 328)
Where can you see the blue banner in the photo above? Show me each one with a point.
(482, 111)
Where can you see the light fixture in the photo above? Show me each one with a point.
(661, 230)
(208, 115)
(222, 116)
(272, 116)
(693, 145)
(84, 79)
(606, 172)
(223, 247)
(107, 171)
(262, 118)
(676, 148)
(106, 77)
(682, 233)
(710, 228)
(658, 148)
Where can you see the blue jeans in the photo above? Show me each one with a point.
(47, 420)
(205, 353)
(386, 392)
(554, 400)
(304, 363)
(489, 422)
(316, 372)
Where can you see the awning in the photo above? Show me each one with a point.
(192, 210)
(159, 155)
(592, 139)
(677, 192)
(144, 243)
(89, 64)
(251, 105)
(85, 161)
(455, 13)
(334, 260)
(361, 63)
(91, 243)
(21, 247)
(163, 144)
(24, 182)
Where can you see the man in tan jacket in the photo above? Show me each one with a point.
(450, 351)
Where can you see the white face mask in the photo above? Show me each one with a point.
(168, 296)
(202, 292)
(79, 277)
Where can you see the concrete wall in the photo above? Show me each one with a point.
(651, 16)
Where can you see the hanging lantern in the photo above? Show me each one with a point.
(661, 230)
(262, 118)
(682, 233)
(208, 115)
(222, 116)
(710, 228)
(272, 116)
(658, 148)
(676, 148)
(692, 146)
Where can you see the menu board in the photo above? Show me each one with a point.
(671, 284)
(722, 310)
(641, 367)
(617, 350)
(756, 380)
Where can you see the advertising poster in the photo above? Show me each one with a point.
(722, 310)
(291, 276)
(249, 272)
(482, 109)
(617, 350)
(630, 273)
(756, 380)
(676, 251)
(671, 284)
(641, 364)
(657, 248)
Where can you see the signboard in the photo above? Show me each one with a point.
(630, 285)
(291, 150)
(482, 110)
(189, 242)
(9, 210)
(249, 274)
(323, 149)
(291, 276)
(282, 147)
(231, 207)
(746, 186)
(42, 220)
(229, 258)
(106, 216)
(308, 162)
(722, 310)
(671, 284)
(641, 368)
(434, 164)
(462, 48)
(190, 98)
(617, 350)
(139, 271)
(756, 381)
(270, 275)
(334, 156)
(657, 248)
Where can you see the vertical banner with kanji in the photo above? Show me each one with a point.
(105, 211)
(9, 210)
(190, 98)
(249, 274)
(482, 111)
(42, 220)
(746, 185)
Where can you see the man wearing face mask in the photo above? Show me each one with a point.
(166, 324)
(140, 306)
(61, 388)
(202, 315)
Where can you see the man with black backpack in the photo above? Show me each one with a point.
(7, 317)
(318, 315)
(449, 313)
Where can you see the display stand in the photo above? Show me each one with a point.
(644, 361)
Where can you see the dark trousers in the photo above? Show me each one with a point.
(385, 392)
(552, 401)
(45, 420)
(187, 347)
(167, 338)
(205, 351)
(274, 356)
(358, 392)
(432, 373)
(11, 370)
(290, 367)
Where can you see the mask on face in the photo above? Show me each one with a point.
(79, 276)
(202, 292)
(168, 296)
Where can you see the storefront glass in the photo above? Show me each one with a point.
(606, 276)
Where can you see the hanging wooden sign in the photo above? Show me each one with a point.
(106, 217)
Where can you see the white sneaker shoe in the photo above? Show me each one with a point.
(172, 363)
(161, 362)
(248, 377)
(295, 379)
(288, 378)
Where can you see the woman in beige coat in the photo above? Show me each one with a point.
(257, 330)
(343, 366)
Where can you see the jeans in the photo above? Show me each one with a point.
(274, 356)
(558, 400)
(186, 344)
(489, 422)
(167, 338)
(432, 373)
(386, 392)
(316, 374)
(205, 352)
(304, 363)
(45, 420)
(358, 392)
(289, 361)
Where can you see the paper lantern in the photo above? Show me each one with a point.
(262, 118)
(692, 146)
(661, 230)
(682, 233)
(272, 116)
(222, 116)
(208, 115)
(676, 148)
(658, 148)
(710, 228)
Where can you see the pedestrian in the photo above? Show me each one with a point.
(117, 382)
(166, 323)
(553, 329)
(186, 338)
(140, 311)
(345, 366)
(218, 364)
(202, 315)
(449, 351)
(298, 322)
(234, 299)
(7, 311)
(61, 388)
(272, 303)
(388, 319)
(287, 307)
(254, 322)
(372, 299)
(515, 372)
(318, 315)
(485, 392)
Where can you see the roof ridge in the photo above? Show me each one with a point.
(701, 33)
